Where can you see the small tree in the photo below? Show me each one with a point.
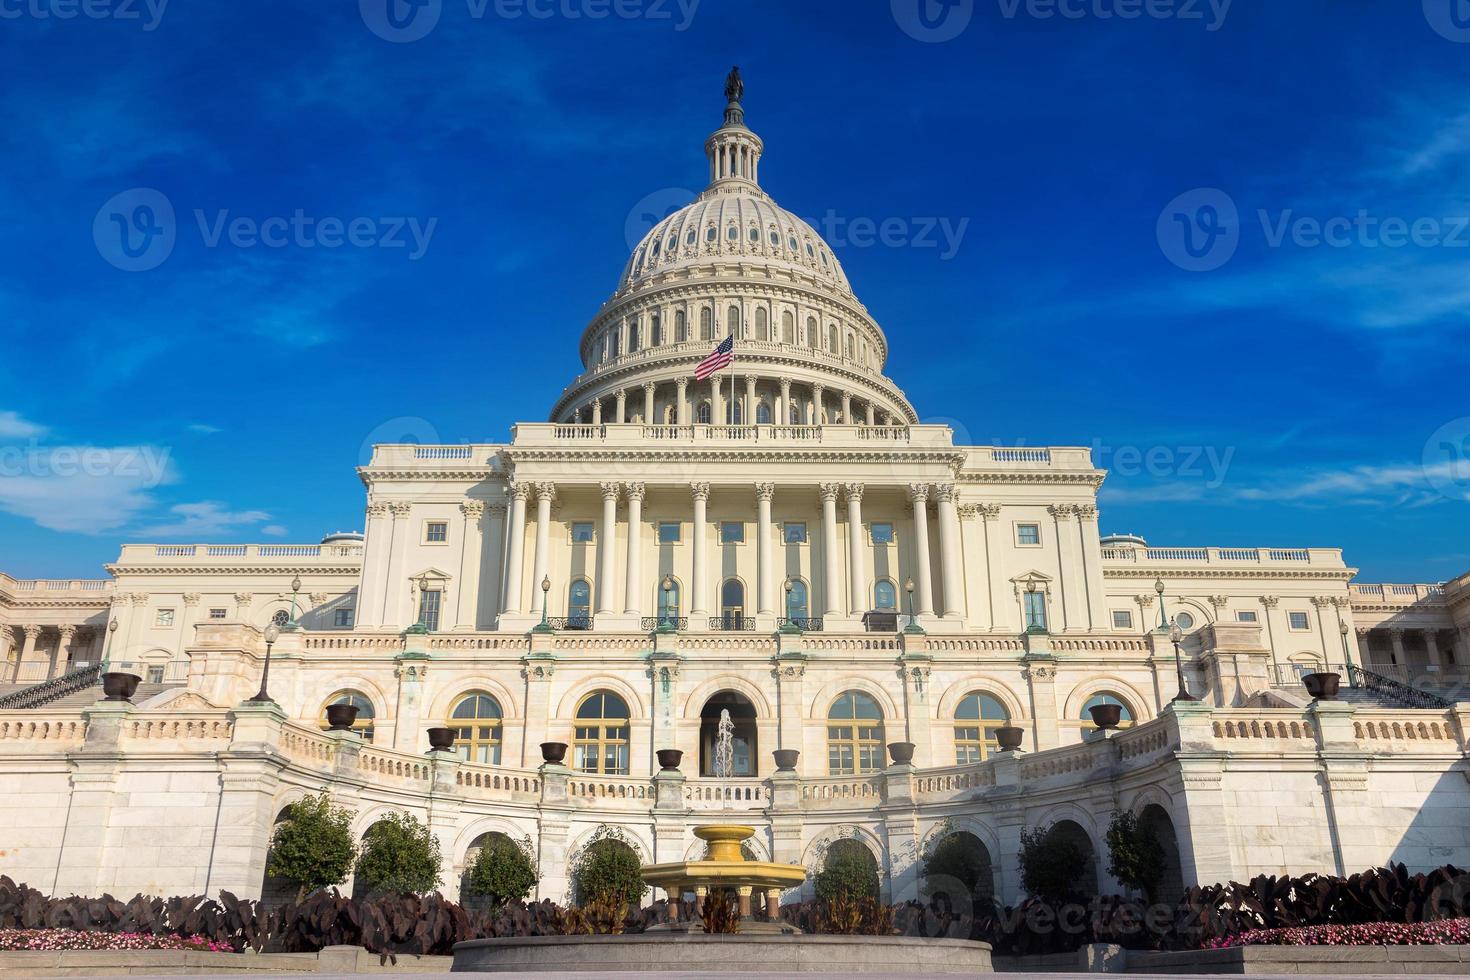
(313, 848)
(849, 872)
(959, 857)
(399, 855)
(608, 872)
(502, 872)
(1135, 854)
(1050, 863)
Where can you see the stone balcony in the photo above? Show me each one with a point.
(1384, 594)
(42, 590)
(1227, 557)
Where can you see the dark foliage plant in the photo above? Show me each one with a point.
(1051, 864)
(1135, 854)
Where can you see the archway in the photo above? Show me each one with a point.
(745, 749)
(274, 891)
(479, 902)
(959, 862)
(1155, 819)
(1071, 832)
(850, 868)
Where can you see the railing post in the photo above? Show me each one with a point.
(1350, 822)
(553, 820)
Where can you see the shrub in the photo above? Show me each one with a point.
(400, 856)
(1135, 854)
(960, 858)
(1452, 932)
(57, 939)
(607, 872)
(503, 871)
(721, 912)
(314, 847)
(1050, 864)
(848, 872)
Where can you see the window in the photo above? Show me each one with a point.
(155, 675)
(342, 619)
(656, 330)
(885, 596)
(1105, 697)
(689, 238)
(881, 532)
(1028, 535)
(634, 338)
(363, 723)
(1034, 604)
(1298, 621)
(732, 532)
(602, 735)
(429, 609)
(732, 233)
(796, 603)
(710, 234)
(788, 328)
(811, 321)
(668, 532)
(218, 612)
(681, 327)
(762, 324)
(763, 413)
(734, 413)
(975, 722)
(579, 605)
(163, 617)
(281, 618)
(732, 322)
(1122, 619)
(476, 719)
(1185, 621)
(702, 414)
(1246, 616)
(706, 322)
(732, 604)
(581, 532)
(794, 412)
(436, 532)
(854, 735)
(794, 532)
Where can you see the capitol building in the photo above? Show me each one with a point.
(909, 635)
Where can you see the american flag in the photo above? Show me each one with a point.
(722, 357)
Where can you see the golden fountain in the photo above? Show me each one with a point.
(725, 868)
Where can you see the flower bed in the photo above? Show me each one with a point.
(54, 939)
(1445, 932)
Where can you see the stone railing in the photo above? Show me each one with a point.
(477, 780)
(178, 726)
(1379, 594)
(609, 789)
(236, 553)
(394, 765)
(825, 791)
(1312, 557)
(1244, 729)
(307, 745)
(1406, 731)
(727, 794)
(31, 589)
(58, 728)
(951, 781)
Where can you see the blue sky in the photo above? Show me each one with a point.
(1248, 381)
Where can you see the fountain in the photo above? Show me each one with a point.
(725, 868)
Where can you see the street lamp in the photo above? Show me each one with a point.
(1175, 635)
(290, 625)
(1347, 658)
(544, 626)
(1034, 623)
(788, 624)
(1164, 620)
(419, 627)
(913, 626)
(665, 621)
(272, 633)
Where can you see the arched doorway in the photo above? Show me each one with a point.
(742, 714)
(479, 902)
(1071, 832)
(274, 891)
(1155, 819)
(959, 862)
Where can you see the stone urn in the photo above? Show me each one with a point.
(553, 753)
(1009, 737)
(119, 687)
(441, 740)
(1106, 716)
(902, 753)
(340, 717)
(786, 759)
(1322, 685)
(668, 759)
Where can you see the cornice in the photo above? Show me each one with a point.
(1088, 478)
(8, 602)
(335, 569)
(889, 456)
(1151, 572)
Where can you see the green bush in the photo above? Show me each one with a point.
(608, 872)
(399, 855)
(959, 857)
(314, 847)
(1135, 854)
(849, 872)
(1050, 863)
(502, 871)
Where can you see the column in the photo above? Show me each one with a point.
(817, 392)
(187, 620)
(63, 650)
(783, 413)
(376, 547)
(607, 544)
(1431, 644)
(622, 410)
(493, 587)
(697, 586)
(716, 403)
(950, 552)
(633, 596)
(749, 412)
(1092, 576)
(27, 647)
(872, 414)
(846, 408)
(648, 418)
(989, 516)
(764, 588)
(1066, 535)
(467, 606)
(831, 551)
(919, 495)
(393, 586)
(597, 412)
(545, 494)
(1398, 647)
(1365, 648)
(683, 410)
(514, 597)
(857, 599)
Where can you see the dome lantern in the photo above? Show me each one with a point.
(734, 151)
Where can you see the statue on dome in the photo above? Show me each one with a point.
(734, 85)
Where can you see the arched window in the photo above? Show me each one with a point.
(975, 722)
(364, 723)
(793, 413)
(681, 327)
(655, 330)
(797, 610)
(762, 324)
(732, 604)
(812, 332)
(788, 328)
(613, 340)
(689, 239)
(667, 601)
(732, 233)
(476, 719)
(732, 322)
(754, 235)
(854, 735)
(702, 414)
(633, 338)
(1105, 697)
(602, 735)
(847, 347)
(579, 605)
(734, 412)
(832, 338)
(706, 324)
(710, 234)
(762, 412)
(885, 596)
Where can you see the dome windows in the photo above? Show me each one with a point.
(692, 237)
(755, 235)
(775, 238)
(792, 243)
(710, 234)
(732, 233)
(811, 253)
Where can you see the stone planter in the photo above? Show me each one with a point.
(340, 717)
(786, 759)
(441, 740)
(1106, 716)
(553, 753)
(668, 759)
(1009, 737)
(1322, 685)
(902, 753)
(119, 687)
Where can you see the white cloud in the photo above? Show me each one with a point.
(203, 519)
(12, 426)
(85, 489)
(204, 429)
(274, 530)
(1395, 485)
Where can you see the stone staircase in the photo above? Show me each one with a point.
(76, 689)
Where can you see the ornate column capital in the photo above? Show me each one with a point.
(31, 630)
(854, 492)
(611, 490)
(1321, 601)
(648, 386)
(192, 598)
(683, 385)
(401, 509)
(989, 511)
(67, 631)
(785, 387)
(377, 508)
(319, 599)
(545, 491)
(1270, 601)
(473, 510)
(496, 510)
(1144, 600)
(1219, 602)
(968, 512)
(751, 379)
(1088, 512)
(138, 598)
(919, 493)
(765, 491)
(946, 492)
(828, 491)
(1062, 512)
(699, 491)
(244, 599)
(635, 491)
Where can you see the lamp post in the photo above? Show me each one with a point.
(788, 624)
(1175, 635)
(419, 627)
(1164, 620)
(262, 696)
(1034, 624)
(544, 626)
(667, 623)
(107, 647)
(1347, 658)
(291, 625)
(913, 626)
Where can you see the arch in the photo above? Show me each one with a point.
(602, 734)
(762, 321)
(798, 601)
(855, 734)
(703, 413)
(681, 327)
(367, 713)
(706, 324)
(1156, 818)
(445, 699)
(1067, 829)
(745, 738)
(579, 604)
(733, 325)
(694, 701)
(996, 687)
(815, 853)
(732, 603)
(977, 715)
(1103, 683)
(668, 602)
(788, 327)
(479, 727)
(823, 698)
(958, 866)
(832, 345)
(763, 412)
(885, 595)
(566, 708)
(813, 333)
(471, 852)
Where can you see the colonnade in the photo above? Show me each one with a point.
(789, 403)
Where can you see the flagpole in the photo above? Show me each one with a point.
(732, 380)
